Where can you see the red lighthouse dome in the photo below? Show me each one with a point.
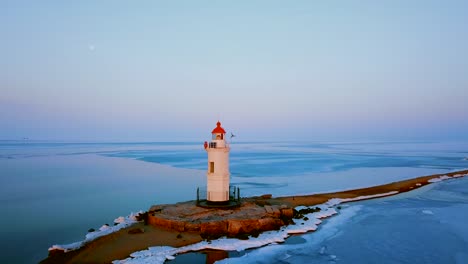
(218, 129)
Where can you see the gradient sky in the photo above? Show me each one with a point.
(269, 70)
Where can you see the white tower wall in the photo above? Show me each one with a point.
(218, 178)
(218, 168)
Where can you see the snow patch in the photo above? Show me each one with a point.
(336, 201)
(122, 222)
(439, 179)
(119, 220)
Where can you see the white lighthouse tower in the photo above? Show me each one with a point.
(217, 190)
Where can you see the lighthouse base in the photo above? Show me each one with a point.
(221, 205)
(234, 199)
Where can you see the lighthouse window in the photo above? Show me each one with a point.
(211, 167)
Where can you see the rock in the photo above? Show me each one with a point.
(178, 225)
(307, 211)
(297, 215)
(156, 208)
(56, 252)
(234, 227)
(179, 236)
(250, 219)
(136, 231)
(273, 210)
(262, 203)
(213, 230)
(192, 226)
(252, 227)
(242, 236)
(143, 217)
(255, 233)
(91, 230)
(266, 224)
(287, 213)
(167, 223)
(266, 196)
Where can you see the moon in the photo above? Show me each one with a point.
(91, 47)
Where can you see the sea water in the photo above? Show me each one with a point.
(53, 192)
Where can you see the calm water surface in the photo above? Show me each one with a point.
(53, 192)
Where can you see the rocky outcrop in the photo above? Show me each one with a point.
(213, 230)
(248, 219)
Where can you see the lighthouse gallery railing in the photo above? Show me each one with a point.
(234, 194)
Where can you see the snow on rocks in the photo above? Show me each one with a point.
(162, 253)
(336, 201)
(121, 222)
(446, 177)
(440, 178)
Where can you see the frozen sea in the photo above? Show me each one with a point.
(425, 226)
(53, 192)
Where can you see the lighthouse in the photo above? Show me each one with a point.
(217, 189)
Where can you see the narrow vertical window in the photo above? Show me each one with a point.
(211, 167)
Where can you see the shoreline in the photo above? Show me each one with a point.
(120, 244)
